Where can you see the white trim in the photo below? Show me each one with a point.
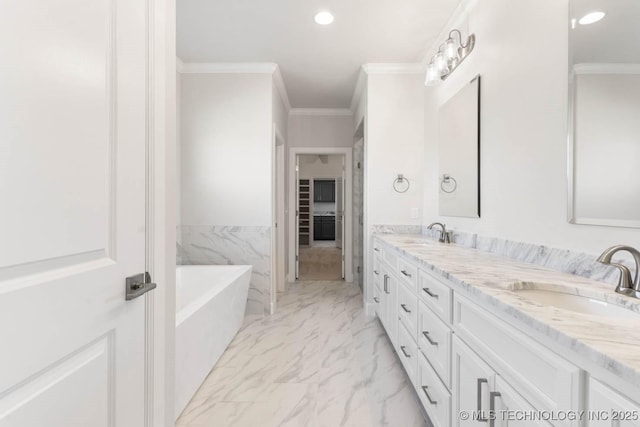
(161, 327)
(278, 81)
(348, 206)
(277, 233)
(606, 68)
(401, 68)
(359, 90)
(320, 112)
(179, 65)
(229, 68)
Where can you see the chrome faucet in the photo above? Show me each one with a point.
(445, 236)
(626, 285)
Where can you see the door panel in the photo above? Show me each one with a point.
(72, 184)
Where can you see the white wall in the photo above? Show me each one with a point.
(226, 137)
(521, 54)
(312, 167)
(320, 131)
(394, 145)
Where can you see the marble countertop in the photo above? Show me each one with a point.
(492, 281)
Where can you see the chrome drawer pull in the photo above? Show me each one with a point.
(376, 299)
(479, 397)
(426, 393)
(386, 278)
(492, 407)
(405, 273)
(428, 292)
(376, 272)
(404, 307)
(404, 351)
(376, 249)
(426, 335)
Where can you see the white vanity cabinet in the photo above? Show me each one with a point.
(471, 367)
(608, 408)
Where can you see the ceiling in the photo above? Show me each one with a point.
(614, 39)
(319, 64)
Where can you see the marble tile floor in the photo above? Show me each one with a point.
(319, 361)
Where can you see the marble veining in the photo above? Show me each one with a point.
(318, 361)
(394, 229)
(492, 281)
(233, 245)
(581, 264)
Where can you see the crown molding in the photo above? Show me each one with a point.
(359, 89)
(400, 68)
(278, 81)
(179, 65)
(229, 68)
(320, 112)
(606, 68)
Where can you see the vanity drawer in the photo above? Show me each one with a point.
(434, 396)
(408, 310)
(390, 257)
(435, 294)
(434, 340)
(377, 246)
(543, 378)
(408, 352)
(408, 273)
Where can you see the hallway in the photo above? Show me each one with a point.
(320, 263)
(319, 361)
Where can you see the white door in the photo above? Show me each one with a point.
(297, 233)
(72, 215)
(340, 182)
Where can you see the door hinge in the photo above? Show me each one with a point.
(138, 285)
(297, 258)
(358, 268)
(358, 165)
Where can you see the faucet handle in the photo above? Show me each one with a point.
(625, 281)
(448, 236)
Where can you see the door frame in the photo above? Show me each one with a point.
(347, 152)
(161, 202)
(277, 216)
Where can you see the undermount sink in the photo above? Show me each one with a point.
(577, 303)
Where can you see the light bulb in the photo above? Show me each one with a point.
(450, 50)
(432, 75)
(441, 63)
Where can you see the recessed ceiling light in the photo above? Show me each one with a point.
(590, 18)
(323, 18)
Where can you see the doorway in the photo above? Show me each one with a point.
(320, 186)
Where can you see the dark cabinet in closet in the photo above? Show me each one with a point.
(324, 190)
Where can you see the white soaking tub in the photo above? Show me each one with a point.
(210, 305)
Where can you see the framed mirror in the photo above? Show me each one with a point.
(604, 113)
(459, 153)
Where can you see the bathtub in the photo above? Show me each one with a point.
(210, 305)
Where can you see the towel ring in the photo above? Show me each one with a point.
(447, 179)
(401, 184)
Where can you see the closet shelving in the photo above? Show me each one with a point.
(304, 211)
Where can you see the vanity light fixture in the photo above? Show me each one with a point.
(591, 18)
(323, 18)
(450, 54)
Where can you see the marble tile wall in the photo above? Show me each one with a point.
(398, 229)
(564, 260)
(233, 245)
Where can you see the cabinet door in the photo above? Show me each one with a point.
(473, 380)
(317, 191)
(608, 408)
(390, 316)
(317, 228)
(510, 409)
(329, 227)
